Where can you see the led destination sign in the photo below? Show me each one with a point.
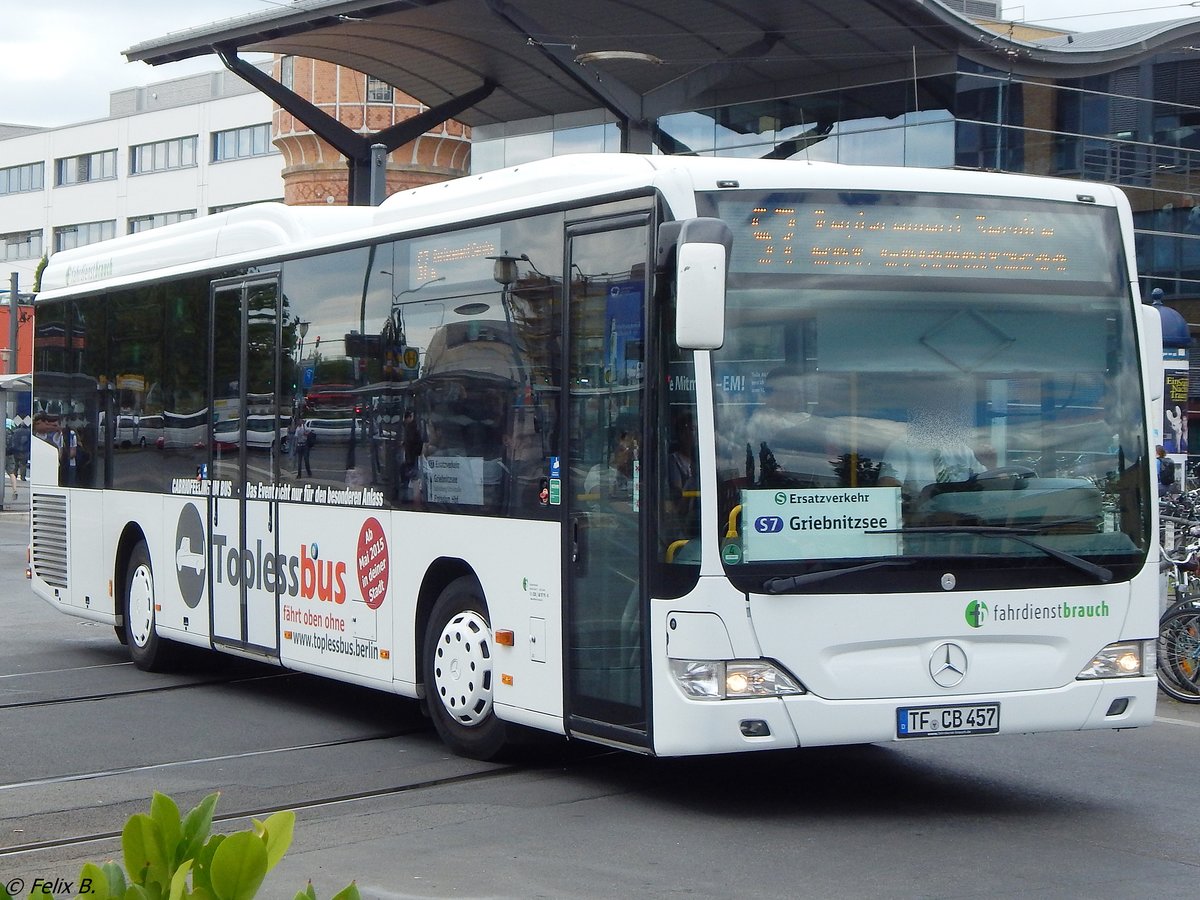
(924, 235)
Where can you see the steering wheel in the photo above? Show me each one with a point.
(1015, 474)
(1008, 472)
(1012, 478)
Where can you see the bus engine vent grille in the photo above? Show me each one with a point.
(48, 518)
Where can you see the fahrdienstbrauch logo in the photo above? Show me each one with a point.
(977, 612)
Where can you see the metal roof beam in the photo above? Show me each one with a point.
(347, 142)
(673, 95)
(352, 145)
(618, 98)
(412, 128)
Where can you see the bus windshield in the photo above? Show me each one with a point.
(913, 377)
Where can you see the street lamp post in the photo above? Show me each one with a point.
(14, 317)
(13, 299)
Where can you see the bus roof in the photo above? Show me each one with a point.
(198, 243)
(267, 231)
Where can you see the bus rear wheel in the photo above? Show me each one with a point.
(458, 670)
(148, 650)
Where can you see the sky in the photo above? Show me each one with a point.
(59, 59)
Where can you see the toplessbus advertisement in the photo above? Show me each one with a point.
(333, 609)
(319, 594)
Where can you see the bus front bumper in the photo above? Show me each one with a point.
(685, 727)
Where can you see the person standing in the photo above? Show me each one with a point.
(304, 442)
(21, 438)
(64, 440)
(1166, 471)
(69, 447)
(411, 446)
(10, 458)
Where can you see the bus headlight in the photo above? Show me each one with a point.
(1122, 660)
(718, 679)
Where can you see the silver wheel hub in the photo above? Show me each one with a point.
(462, 668)
(141, 606)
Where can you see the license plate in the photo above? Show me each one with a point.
(936, 721)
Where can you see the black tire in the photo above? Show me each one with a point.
(457, 667)
(149, 652)
(1179, 655)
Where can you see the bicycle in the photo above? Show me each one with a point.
(1178, 661)
(1179, 651)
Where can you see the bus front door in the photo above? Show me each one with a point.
(605, 653)
(244, 464)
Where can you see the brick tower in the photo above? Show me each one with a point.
(314, 173)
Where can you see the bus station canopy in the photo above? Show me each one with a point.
(16, 382)
(643, 59)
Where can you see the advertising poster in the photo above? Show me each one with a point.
(1175, 404)
(623, 333)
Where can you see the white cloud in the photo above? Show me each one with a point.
(1094, 15)
(64, 60)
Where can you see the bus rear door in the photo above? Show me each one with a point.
(243, 381)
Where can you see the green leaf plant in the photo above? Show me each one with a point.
(169, 857)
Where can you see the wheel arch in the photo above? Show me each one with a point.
(438, 576)
(131, 535)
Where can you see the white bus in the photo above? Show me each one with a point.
(677, 455)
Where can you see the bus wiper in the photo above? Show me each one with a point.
(1020, 535)
(787, 583)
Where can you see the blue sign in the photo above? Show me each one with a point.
(768, 524)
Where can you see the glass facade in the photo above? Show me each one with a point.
(1096, 128)
(1137, 127)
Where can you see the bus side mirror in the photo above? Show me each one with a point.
(701, 264)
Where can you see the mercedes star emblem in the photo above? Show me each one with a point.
(948, 665)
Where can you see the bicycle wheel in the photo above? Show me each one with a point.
(1179, 654)
(1177, 642)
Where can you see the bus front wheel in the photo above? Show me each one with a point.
(148, 650)
(458, 670)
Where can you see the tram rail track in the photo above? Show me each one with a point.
(18, 852)
(138, 691)
(200, 760)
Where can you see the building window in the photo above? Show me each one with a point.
(18, 179)
(69, 236)
(378, 91)
(179, 153)
(146, 223)
(100, 166)
(287, 71)
(240, 143)
(22, 245)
